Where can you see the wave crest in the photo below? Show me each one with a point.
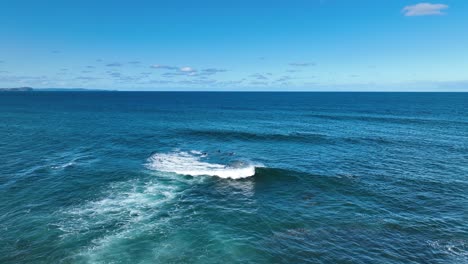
(192, 164)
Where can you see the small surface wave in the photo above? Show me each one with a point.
(297, 136)
(193, 164)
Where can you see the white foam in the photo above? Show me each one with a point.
(196, 152)
(126, 202)
(456, 248)
(63, 166)
(70, 159)
(188, 164)
(125, 210)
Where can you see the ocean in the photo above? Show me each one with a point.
(233, 177)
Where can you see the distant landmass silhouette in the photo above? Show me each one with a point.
(18, 89)
(29, 89)
(70, 90)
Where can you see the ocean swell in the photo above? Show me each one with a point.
(303, 137)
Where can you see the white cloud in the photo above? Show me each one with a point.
(424, 9)
(186, 69)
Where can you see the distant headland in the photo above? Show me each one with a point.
(29, 89)
(18, 89)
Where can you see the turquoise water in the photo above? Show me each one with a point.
(119, 177)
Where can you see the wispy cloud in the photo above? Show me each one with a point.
(182, 71)
(163, 67)
(424, 9)
(197, 81)
(212, 71)
(259, 83)
(114, 64)
(134, 62)
(171, 74)
(301, 64)
(131, 78)
(146, 74)
(155, 81)
(125, 78)
(25, 79)
(231, 82)
(259, 76)
(284, 79)
(87, 78)
(114, 74)
(172, 71)
(179, 73)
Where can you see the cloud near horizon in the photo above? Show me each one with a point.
(424, 9)
(301, 64)
(173, 71)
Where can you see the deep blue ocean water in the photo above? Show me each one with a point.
(150, 177)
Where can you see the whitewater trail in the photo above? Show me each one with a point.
(192, 164)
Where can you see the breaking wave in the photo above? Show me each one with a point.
(193, 163)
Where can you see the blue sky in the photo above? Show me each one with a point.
(332, 45)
